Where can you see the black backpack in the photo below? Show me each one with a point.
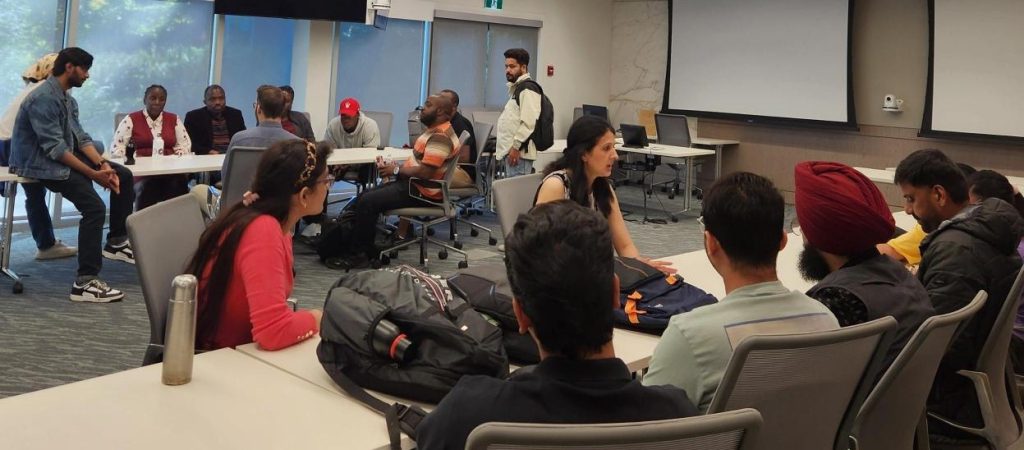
(336, 236)
(486, 288)
(544, 131)
(449, 339)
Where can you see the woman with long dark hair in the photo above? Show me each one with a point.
(244, 260)
(582, 175)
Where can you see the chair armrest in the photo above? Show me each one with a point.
(429, 184)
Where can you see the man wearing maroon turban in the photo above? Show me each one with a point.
(842, 218)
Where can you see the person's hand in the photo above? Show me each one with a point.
(513, 157)
(214, 152)
(386, 170)
(664, 266)
(318, 315)
(104, 178)
(114, 179)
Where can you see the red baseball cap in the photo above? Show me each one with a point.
(349, 107)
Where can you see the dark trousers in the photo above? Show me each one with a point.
(152, 190)
(78, 189)
(38, 215)
(371, 204)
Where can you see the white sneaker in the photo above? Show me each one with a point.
(501, 247)
(56, 251)
(95, 291)
(311, 230)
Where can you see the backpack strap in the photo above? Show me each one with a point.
(400, 418)
(527, 85)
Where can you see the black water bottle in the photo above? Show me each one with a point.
(389, 342)
(129, 152)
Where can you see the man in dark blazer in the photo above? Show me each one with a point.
(212, 126)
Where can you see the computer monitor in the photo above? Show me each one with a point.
(633, 136)
(594, 110)
(672, 130)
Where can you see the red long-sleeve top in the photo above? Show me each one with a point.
(255, 309)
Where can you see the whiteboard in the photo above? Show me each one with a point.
(772, 58)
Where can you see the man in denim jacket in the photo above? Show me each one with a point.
(50, 146)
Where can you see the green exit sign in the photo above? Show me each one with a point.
(492, 4)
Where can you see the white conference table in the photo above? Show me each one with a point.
(888, 175)
(232, 402)
(166, 165)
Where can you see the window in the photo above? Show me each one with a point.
(501, 38)
(383, 69)
(457, 51)
(468, 57)
(257, 51)
(137, 43)
(31, 30)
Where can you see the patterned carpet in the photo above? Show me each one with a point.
(47, 340)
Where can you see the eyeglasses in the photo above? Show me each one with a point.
(794, 226)
(326, 179)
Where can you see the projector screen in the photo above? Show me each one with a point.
(976, 78)
(784, 61)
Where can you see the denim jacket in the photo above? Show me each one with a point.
(46, 128)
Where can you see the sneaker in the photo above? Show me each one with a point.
(120, 252)
(312, 230)
(56, 251)
(95, 291)
(501, 247)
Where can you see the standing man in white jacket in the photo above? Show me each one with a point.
(519, 118)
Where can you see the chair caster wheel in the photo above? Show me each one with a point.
(392, 255)
(457, 245)
(18, 287)
(463, 264)
(473, 232)
(671, 196)
(492, 241)
(430, 231)
(442, 254)
(674, 219)
(377, 263)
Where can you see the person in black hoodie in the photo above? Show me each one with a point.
(968, 248)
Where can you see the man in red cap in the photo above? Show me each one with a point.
(350, 129)
(843, 217)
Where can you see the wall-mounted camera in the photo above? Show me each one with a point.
(892, 104)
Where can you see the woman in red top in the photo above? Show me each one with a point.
(244, 259)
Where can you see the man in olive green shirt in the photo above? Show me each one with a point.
(743, 233)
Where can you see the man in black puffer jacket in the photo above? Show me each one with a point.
(968, 248)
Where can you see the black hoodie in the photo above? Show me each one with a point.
(976, 250)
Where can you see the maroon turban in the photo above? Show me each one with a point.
(840, 210)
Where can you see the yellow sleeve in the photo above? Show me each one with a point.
(909, 244)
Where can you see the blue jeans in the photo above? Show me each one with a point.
(525, 167)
